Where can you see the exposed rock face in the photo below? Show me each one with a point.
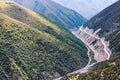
(99, 46)
(109, 22)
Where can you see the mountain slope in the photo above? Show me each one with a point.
(108, 70)
(33, 48)
(107, 24)
(61, 15)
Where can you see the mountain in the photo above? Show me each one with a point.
(87, 8)
(109, 24)
(106, 25)
(59, 14)
(34, 48)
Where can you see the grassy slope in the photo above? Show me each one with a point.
(108, 70)
(33, 48)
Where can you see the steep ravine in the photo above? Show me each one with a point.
(98, 45)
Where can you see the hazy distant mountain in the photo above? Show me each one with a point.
(61, 15)
(87, 8)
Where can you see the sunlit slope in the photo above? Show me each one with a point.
(33, 48)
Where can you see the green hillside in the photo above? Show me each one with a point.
(108, 70)
(33, 48)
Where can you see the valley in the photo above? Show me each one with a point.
(89, 37)
(92, 40)
(102, 35)
(42, 40)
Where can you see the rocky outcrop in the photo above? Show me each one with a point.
(98, 45)
(109, 22)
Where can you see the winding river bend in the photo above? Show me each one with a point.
(88, 37)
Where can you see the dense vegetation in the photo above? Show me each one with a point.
(55, 12)
(32, 48)
(108, 70)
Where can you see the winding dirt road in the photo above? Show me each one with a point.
(102, 40)
(105, 49)
(86, 67)
(82, 70)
